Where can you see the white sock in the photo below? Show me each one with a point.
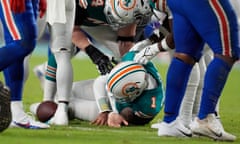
(17, 110)
(49, 90)
(185, 113)
(202, 68)
(64, 75)
(26, 68)
(217, 109)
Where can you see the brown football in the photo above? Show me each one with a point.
(46, 110)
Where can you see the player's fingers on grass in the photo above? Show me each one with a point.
(125, 122)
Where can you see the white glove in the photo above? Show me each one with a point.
(140, 45)
(83, 3)
(146, 54)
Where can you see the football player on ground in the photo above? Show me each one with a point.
(131, 94)
(118, 32)
(123, 32)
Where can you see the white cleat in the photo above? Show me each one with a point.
(155, 125)
(61, 116)
(33, 108)
(211, 127)
(28, 122)
(173, 129)
(226, 136)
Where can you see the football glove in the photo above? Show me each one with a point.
(104, 64)
(146, 54)
(146, 42)
(140, 45)
(17, 6)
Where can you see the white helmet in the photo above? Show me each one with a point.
(127, 80)
(122, 12)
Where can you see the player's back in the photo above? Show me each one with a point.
(94, 14)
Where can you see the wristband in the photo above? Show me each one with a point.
(165, 45)
(155, 48)
(125, 38)
(154, 38)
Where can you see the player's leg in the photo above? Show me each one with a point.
(82, 102)
(61, 34)
(202, 69)
(39, 72)
(205, 60)
(20, 40)
(186, 108)
(50, 88)
(179, 71)
(15, 81)
(83, 109)
(83, 89)
(225, 54)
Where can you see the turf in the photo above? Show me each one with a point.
(82, 132)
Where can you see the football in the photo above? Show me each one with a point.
(46, 110)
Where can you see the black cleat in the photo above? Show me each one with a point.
(5, 110)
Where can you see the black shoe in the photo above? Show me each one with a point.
(5, 110)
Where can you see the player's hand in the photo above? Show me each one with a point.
(17, 6)
(101, 119)
(140, 45)
(116, 120)
(103, 62)
(42, 8)
(83, 3)
(104, 65)
(146, 54)
(151, 28)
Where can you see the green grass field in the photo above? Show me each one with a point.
(82, 132)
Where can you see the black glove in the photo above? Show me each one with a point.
(102, 61)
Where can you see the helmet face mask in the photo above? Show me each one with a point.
(127, 81)
(123, 12)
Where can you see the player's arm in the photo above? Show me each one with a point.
(102, 100)
(126, 36)
(115, 119)
(81, 40)
(151, 50)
